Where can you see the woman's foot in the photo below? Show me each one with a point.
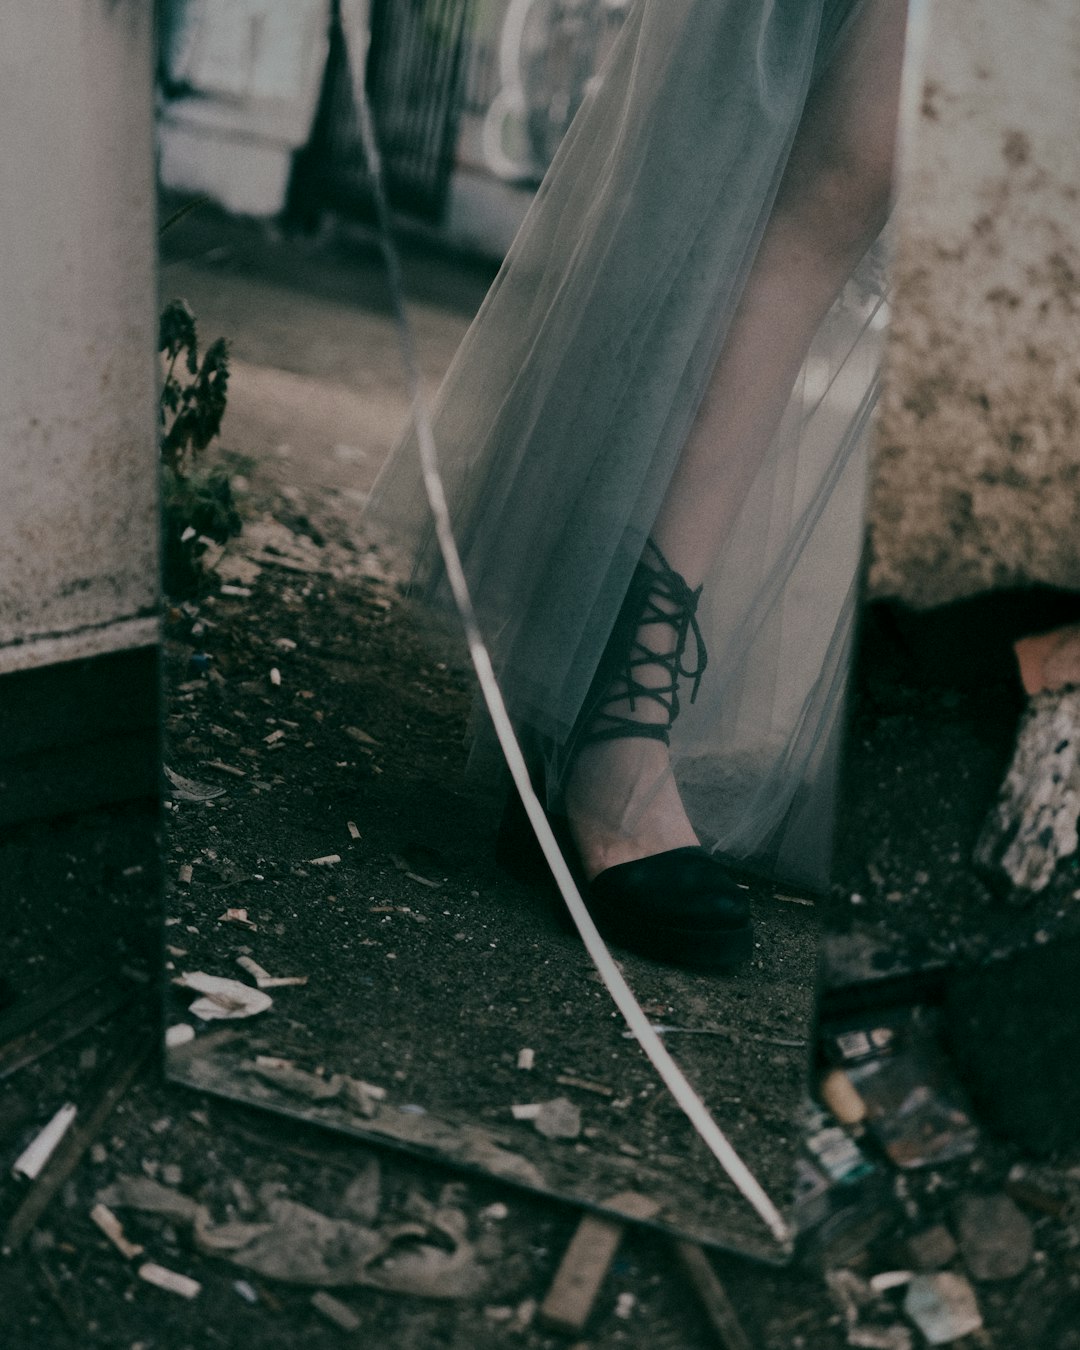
(621, 800)
(622, 804)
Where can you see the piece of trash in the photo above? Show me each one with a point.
(943, 1306)
(169, 1279)
(363, 1097)
(890, 1279)
(238, 916)
(304, 1084)
(264, 979)
(188, 790)
(284, 644)
(275, 676)
(303, 1246)
(226, 768)
(996, 1240)
(893, 1337)
(839, 1094)
(526, 1058)
(363, 1195)
(569, 1080)
(834, 1150)
(327, 860)
(223, 998)
(1049, 660)
(41, 1148)
(253, 968)
(335, 1311)
(495, 1212)
(851, 1294)
(185, 874)
(274, 737)
(246, 1291)
(241, 592)
(110, 1225)
(558, 1119)
(625, 1305)
(914, 1105)
(354, 733)
(932, 1248)
(424, 881)
(179, 1034)
(353, 831)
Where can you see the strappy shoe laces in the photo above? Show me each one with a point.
(657, 595)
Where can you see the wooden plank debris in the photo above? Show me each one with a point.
(586, 1262)
(713, 1295)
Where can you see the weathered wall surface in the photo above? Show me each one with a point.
(978, 463)
(78, 436)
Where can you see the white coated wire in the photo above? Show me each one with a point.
(670, 1073)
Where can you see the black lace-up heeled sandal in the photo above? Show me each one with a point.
(679, 906)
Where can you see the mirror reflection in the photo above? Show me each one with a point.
(653, 439)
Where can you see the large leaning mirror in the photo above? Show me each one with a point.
(620, 422)
(328, 844)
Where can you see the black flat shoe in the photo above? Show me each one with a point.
(680, 907)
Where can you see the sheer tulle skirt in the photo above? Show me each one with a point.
(564, 412)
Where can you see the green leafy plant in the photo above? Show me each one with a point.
(197, 502)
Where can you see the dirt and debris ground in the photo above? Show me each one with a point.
(931, 733)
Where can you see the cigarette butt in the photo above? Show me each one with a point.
(169, 1279)
(840, 1096)
(110, 1225)
(41, 1148)
(252, 967)
(353, 831)
(526, 1058)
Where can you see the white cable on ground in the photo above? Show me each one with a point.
(672, 1076)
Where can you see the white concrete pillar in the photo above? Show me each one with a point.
(977, 483)
(79, 562)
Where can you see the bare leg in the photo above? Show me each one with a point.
(831, 204)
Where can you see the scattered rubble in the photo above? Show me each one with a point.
(943, 1307)
(996, 1240)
